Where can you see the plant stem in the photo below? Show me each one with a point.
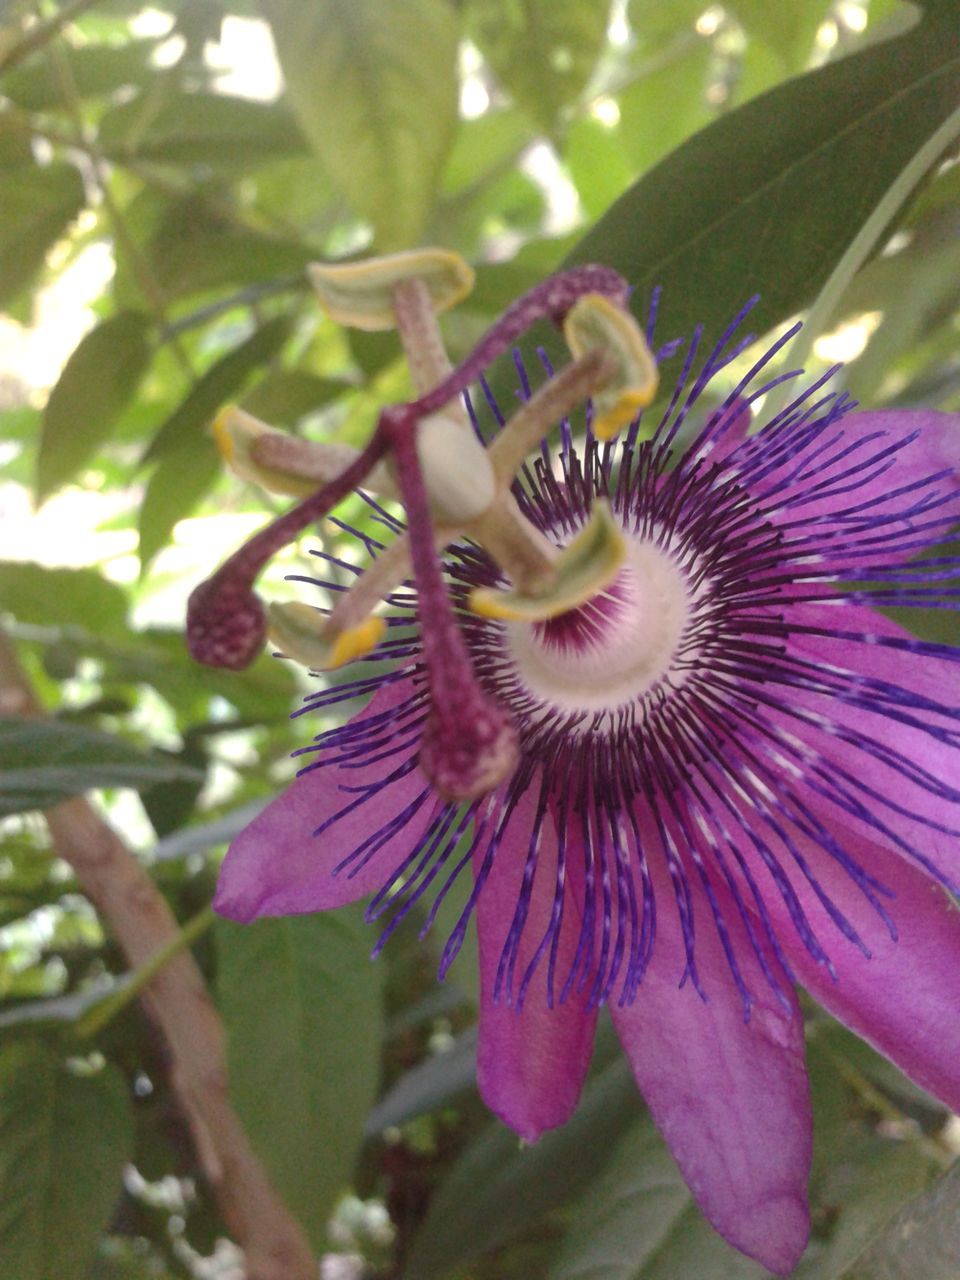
(176, 997)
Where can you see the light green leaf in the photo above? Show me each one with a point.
(302, 1005)
(97, 383)
(179, 481)
(543, 52)
(39, 203)
(374, 86)
(64, 1140)
(287, 395)
(38, 594)
(219, 384)
(498, 1188)
(94, 69)
(44, 761)
(228, 134)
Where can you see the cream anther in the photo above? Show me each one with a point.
(457, 470)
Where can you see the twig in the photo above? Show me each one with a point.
(178, 1001)
(42, 33)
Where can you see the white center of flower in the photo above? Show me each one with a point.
(613, 649)
(456, 470)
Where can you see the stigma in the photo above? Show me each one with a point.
(426, 455)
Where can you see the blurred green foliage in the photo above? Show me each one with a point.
(718, 150)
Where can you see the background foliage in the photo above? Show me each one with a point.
(164, 183)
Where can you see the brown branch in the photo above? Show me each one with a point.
(178, 1001)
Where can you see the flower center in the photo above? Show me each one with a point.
(614, 648)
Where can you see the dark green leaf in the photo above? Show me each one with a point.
(627, 1214)
(64, 1140)
(38, 594)
(428, 1085)
(374, 86)
(43, 761)
(301, 1001)
(212, 130)
(497, 1189)
(923, 1239)
(39, 203)
(221, 382)
(869, 1180)
(542, 51)
(768, 197)
(98, 381)
(638, 1221)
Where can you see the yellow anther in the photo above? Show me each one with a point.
(303, 634)
(360, 294)
(236, 433)
(594, 321)
(357, 641)
(584, 568)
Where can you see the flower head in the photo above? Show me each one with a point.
(648, 699)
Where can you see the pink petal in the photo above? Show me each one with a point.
(729, 431)
(891, 753)
(531, 1064)
(903, 1000)
(851, 481)
(730, 1097)
(277, 866)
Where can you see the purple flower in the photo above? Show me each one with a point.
(731, 775)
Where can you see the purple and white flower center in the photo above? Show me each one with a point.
(614, 649)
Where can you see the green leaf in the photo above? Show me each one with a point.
(64, 1140)
(923, 1239)
(428, 1085)
(94, 69)
(627, 1213)
(214, 130)
(789, 29)
(181, 478)
(39, 203)
(285, 396)
(97, 383)
(44, 761)
(302, 1006)
(43, 596)
(497, 1188)
(767, 198)
(543, 52)
(374, 86)
(219, 384)
(192, 250)
(638, 1221)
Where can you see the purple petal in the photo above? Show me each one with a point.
(889, 480)
(904, 999)
(531, 1062)
(729, 1096)
(278, 866)
(887, 732)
